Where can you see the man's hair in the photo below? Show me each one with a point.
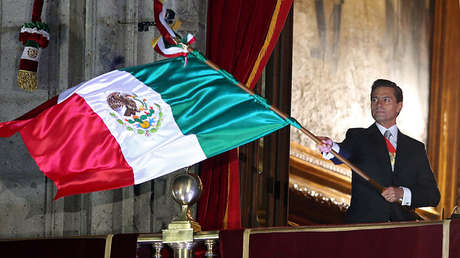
(387, 83)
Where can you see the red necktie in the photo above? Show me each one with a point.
(391, 148)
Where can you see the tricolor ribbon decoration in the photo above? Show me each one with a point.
(33, 35)
(167, 45)
(391, 152)
(160, 22)
(170, 51)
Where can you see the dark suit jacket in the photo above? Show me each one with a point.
(366, 148)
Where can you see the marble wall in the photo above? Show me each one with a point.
(88, 38)
(342, 46)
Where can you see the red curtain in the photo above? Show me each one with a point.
(240, 38)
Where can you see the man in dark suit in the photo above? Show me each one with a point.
(393, 159)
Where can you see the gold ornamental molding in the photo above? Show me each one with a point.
(319, 197)
(317, 178)
(313, 157)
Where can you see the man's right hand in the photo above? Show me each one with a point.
(326, 145)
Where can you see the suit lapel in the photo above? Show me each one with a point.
(379, 145)
(401, 150)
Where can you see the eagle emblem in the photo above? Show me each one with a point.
(134, 113)
(32, 52)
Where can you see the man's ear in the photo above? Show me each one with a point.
(400, 105)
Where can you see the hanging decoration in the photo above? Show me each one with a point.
(34, 36)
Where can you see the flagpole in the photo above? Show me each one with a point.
(318, 141)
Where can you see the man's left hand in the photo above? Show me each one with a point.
(393, 194)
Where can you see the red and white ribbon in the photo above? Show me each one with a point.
(160, 22)
(173, 51)
(167, 45)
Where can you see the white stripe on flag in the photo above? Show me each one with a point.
(164, 151)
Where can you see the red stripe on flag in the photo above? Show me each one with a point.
(36, 111)
(7, 129)
(73, 147)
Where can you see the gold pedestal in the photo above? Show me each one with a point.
(183, 232)
(186, 189)
(178, 231)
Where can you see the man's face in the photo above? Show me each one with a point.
(384, 106)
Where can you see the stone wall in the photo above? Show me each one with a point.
(88, 38)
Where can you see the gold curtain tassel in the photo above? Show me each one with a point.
(27, 80)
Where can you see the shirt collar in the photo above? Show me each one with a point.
(393, 129)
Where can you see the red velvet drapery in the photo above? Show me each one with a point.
(240, 38)
(377, 240)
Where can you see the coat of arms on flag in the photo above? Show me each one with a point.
(135, 113)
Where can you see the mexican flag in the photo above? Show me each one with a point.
(132, 125)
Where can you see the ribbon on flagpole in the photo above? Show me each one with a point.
(160, 22)
(166, 44)
(167, 50)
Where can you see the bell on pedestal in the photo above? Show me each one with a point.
(186, 190)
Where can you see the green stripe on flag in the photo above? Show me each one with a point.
(207, 104)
